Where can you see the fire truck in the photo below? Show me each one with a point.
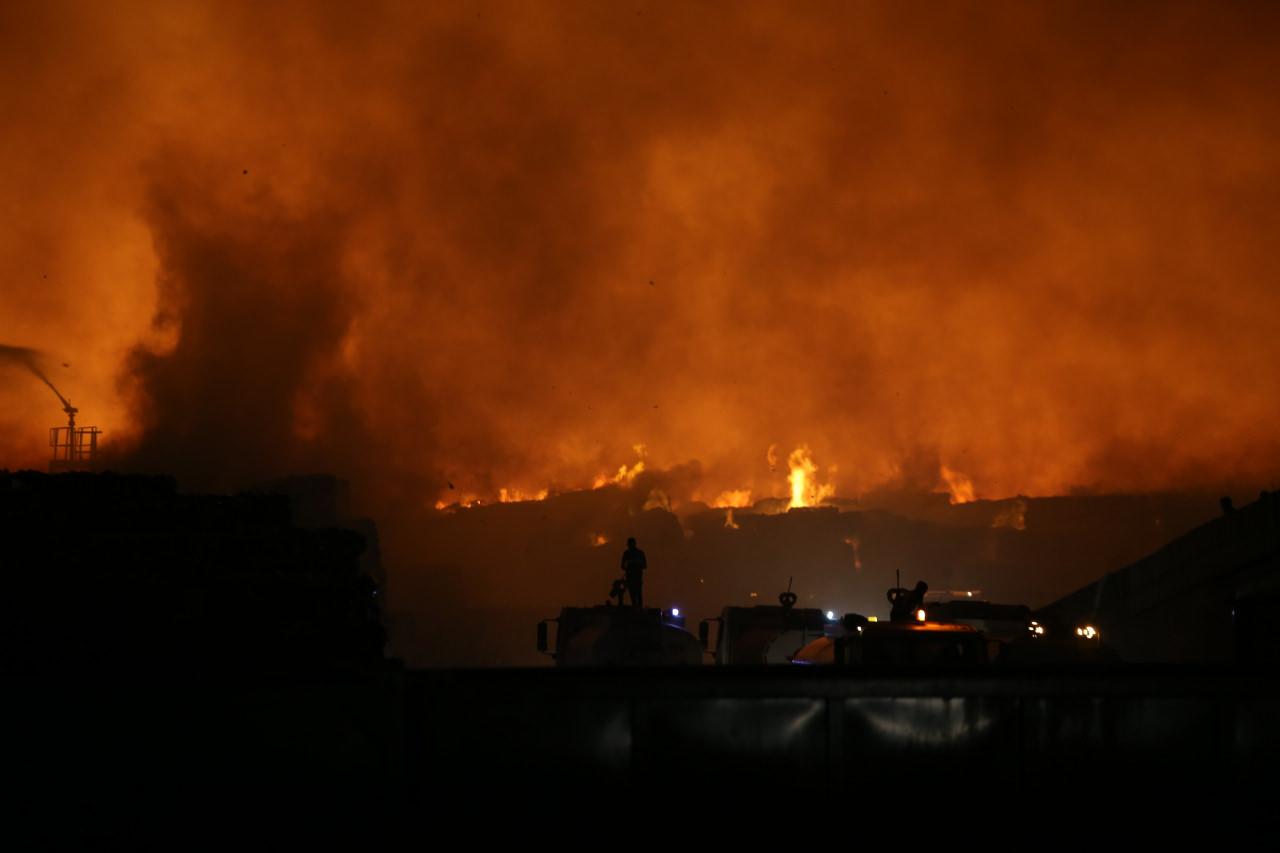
(909, 639)
(612, 635)
(766, 633)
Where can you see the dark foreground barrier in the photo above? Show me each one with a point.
(1109, 737)
(393, 749)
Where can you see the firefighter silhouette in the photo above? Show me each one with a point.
(633, 566)
(906, 602)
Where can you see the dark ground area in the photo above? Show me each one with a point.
(176, 661)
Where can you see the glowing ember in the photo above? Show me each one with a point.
(508, 496)
(657, 499)
(466, 502)
(852, 542)
(1014, 517)
(733, 498)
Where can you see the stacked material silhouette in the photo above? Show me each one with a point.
(108, 572)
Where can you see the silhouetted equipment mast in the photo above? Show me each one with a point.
(74, 447)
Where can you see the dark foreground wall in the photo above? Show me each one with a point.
(392, 750)
(986, 738)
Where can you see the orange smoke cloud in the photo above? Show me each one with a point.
(499, 245)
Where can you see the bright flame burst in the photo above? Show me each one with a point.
(805, 490)
(626, 475)
(959, 486)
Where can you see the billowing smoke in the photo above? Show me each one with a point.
(254, 299)
(504, 244)
(449, 250)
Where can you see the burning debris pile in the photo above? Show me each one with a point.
(489, 570)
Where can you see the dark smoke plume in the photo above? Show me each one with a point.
(254, 298)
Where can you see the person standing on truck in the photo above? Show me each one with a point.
(907, 602)
(633, 566)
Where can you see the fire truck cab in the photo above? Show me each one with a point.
(764, 634)
(607, 635)
(897, 644)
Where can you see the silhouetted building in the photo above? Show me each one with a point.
(323, 500)
(1210, 595)
(105, 571)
